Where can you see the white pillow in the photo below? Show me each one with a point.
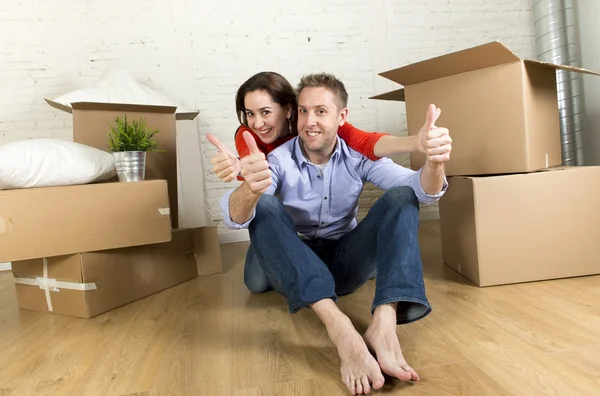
(117, 86)
(48, 162)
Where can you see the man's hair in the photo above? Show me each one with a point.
(328, 81)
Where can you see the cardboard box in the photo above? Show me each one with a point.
(208, 250)
(91, 127)
(501, 110)
(518, 228)
(86, 285)
(53, 221)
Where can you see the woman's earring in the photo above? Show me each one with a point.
(290, 125)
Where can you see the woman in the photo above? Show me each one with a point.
(266, 107)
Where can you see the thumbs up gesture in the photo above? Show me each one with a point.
(255, 168)
(435, 142)
(226, 165)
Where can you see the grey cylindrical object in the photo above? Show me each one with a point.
(556, 42)
(131, 165)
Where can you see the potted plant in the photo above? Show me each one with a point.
(129, 141)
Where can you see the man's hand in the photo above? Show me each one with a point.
(255, 168)
(435, 142)
(226, 165)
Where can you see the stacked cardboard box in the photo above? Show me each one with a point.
(84, 250)
(511, 213)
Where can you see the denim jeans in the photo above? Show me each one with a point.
(306, 271)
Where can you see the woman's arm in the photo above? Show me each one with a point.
(375, 145)
(393, 145)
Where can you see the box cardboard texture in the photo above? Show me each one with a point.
(502, 111)
(91, 127)
(526, 227)
(114, 277)
(52, 221)
(208, 250)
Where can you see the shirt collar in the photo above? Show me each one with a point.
(301, 159)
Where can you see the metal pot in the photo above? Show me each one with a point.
(131, 165)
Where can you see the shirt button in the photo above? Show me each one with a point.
(325, 198)
(322, 222)
(318, 176)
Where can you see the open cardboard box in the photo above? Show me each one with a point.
(534, 226)
(501, 110)
(91, 126)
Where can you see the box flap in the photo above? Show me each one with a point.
(397, 95)
(123, 107)
(190, 115)
(186, 116)
(560, 67)
(475, 58)
(59, 106)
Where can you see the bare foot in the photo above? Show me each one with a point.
(359, 369)
(381, 337)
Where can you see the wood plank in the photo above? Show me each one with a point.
(289, 388)
(264, 346)
(586, 360)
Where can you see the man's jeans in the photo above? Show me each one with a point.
(306, 271)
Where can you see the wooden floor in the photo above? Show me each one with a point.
(211, 337)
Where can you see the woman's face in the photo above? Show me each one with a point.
(265, 117)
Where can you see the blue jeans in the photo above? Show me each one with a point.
(306, 271)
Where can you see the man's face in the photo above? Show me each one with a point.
(318, 121)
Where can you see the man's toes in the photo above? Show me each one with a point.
(366, 386)
(413, 374)
(359, 387)
(378, 381)
(349, 384)
(398, 372)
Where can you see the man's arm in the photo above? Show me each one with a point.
(386, 174)
(433, 178)
(438, 145)
(242, 203)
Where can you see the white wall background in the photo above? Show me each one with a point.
(199, 52)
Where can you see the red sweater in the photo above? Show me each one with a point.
(361, 141)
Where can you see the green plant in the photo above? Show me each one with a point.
(131, 136)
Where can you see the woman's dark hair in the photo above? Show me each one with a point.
(277, 86)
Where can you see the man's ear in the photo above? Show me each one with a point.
(343, 116)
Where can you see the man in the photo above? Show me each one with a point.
(306, 244)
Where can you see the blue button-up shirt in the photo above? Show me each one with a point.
(323, 204)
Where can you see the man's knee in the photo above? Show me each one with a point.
(267, 206)
(254, 276)
(400, 196)
(257, 284)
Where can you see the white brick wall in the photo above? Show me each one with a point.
(199, 52)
